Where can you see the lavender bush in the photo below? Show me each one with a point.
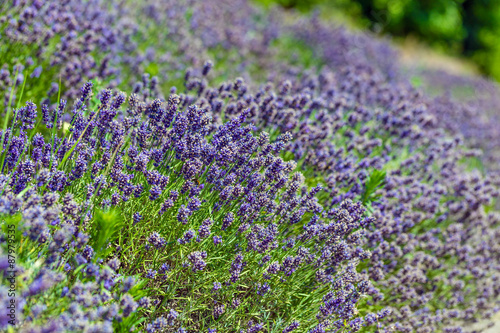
(308, 194)
(66, 41)
(171, 197)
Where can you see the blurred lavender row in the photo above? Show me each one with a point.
(106, 40)
(385, 211)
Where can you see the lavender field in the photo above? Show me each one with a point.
(214, 166)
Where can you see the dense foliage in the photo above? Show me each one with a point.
(467, 28)
(184, 166)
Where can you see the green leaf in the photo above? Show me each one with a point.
(106, 225)
(375, 181)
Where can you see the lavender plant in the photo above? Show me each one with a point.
(332, 198)
(66, 41)
(417, 210)
(210, 222)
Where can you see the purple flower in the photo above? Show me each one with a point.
(105, 97)
(158, 325)
(188, 235)
(228, 220)
(263, 289)
(217, 240)
(127, 284)
(118, 101)
(217, 286)
(204, 230)
(183, 214)
(236, 267)
(207, 67)
(164, 268)
(235, 303)
(155, 192)
(255, 328)
(165, 206)
(88, 252)
(151, 274)
(36, 72)
(137, 217)
(194, 204)
(27, 116)
(174, 195)
(86, 91)
(45, 280)
(156, 240)
(294, 325)
(128, 305)
(145, 302)
(318, 329)
(197, 260)
(219, 310)
(114, 264)
(172, 315)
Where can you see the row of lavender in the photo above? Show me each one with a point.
(205, 215)
(70, 41)
(466, 106)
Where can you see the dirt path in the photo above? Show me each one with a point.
(494, 329)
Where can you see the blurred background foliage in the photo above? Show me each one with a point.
(464, 28)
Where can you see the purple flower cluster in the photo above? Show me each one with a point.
(78, 40)
(250, 178)
(345, 184)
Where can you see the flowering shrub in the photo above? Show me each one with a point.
(65, 42)
(328, 201)
(168, 197)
